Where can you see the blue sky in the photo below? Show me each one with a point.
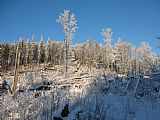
(132, 20)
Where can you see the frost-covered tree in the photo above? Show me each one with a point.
(12, 54)
(22, 51)
(90, 50)
(28, 53)
(109, 56)
(69, 24)
(55, 53)
(41, 53)
(123, 57)
(147, 57)
(144, 51)
(79, 51)
(32, 50)
(5, 55)
(48, 51)
(107, 34)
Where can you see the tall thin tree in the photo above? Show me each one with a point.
(69, 24)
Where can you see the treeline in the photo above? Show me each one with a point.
(29, 53)
(121, 58)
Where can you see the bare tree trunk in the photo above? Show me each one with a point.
(66, 58)
(16, 71)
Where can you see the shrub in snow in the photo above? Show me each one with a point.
(65, 111)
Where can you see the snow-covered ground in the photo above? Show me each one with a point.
(90, 95)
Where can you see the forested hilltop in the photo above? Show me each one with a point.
(122, 57)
